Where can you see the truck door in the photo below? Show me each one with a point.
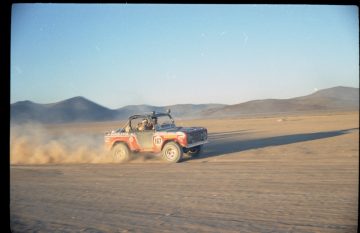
(145, 138)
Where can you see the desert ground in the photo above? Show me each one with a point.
(256, 174)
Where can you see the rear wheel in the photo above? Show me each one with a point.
(172, 152)
(120, 153)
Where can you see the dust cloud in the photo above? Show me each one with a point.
(36, 144)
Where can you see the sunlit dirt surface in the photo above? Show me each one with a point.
(264, 174)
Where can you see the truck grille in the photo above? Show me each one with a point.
(197, 136)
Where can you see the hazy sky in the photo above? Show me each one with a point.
(122, 54)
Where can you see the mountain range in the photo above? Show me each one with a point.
(80, 109)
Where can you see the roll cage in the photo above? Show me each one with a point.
(151, 117)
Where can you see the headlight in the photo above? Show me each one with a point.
(204, 136)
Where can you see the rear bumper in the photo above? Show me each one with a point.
(108, 144)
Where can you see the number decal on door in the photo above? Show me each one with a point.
(157, 140)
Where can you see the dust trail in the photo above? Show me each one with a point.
(35, 144)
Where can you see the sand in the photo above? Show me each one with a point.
(265, 174)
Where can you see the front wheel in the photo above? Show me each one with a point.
(172, 152)
(120, 153)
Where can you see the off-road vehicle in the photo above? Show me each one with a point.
(154, 132)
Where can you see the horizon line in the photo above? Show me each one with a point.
(172, 104)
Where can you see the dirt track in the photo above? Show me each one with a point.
(294, 174)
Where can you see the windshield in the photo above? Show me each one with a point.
(164, 122)
(144, 123)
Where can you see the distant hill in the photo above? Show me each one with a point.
(77, 109)
(333, 98)
(178, 111)
(80, 109)
(336, 98)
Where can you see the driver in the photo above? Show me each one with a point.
(145, 125)
(154, 122)
(149, 125)
(141, 126)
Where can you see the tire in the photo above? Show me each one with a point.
(195, 151)
(121, 153)
(172, 152)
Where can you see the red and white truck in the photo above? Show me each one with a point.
(155, 132)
